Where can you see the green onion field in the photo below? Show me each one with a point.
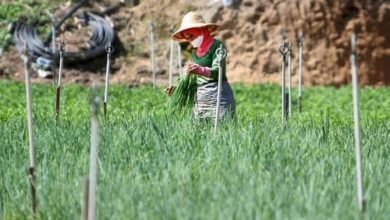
(155, 164)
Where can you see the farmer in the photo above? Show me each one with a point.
(205, 63)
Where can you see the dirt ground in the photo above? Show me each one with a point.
(252, 34)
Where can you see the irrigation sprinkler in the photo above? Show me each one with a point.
(289, 82)
(92, 189)
(58, 89)
(31, 170)
(284, 50)
(300, 70)
(171, 62)
(356, 111)
(109, 50)
(179, 59)
(221, 54)
(152, 27)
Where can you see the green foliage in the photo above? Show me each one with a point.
(183, 96)
(154, 165)
(26, 10)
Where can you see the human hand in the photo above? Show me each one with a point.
(197, 69)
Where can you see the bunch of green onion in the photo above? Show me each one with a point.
(183, 97)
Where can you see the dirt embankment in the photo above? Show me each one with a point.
(252, 33)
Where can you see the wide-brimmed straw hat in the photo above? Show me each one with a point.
(193, 20)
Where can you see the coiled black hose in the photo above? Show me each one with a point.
(102, 35)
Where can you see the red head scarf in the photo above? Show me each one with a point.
(208, 40)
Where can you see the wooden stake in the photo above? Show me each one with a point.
(356, 111)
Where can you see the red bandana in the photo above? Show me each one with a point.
(208, 40)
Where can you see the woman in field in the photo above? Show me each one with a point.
(205, 64)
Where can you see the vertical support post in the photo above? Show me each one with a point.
(93, 159)
(53, 46)
(221, 54)
(171, 62)
(58, 89)
(356, 111)
(84, 211)
(284, 49)
(289, 82)
(152, 27)
(300, 70)
(109, 50)
(53, 50)
(179, 59)
(31, 170)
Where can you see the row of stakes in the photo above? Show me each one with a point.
(286, 54)
(89, 209)
(171, 56)
(90, 186)
(285, 51)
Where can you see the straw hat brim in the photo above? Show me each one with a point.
(178, 35)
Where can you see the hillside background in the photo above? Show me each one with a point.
(252, 32)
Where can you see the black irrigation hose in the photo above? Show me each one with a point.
(102, 35)
(70, 13)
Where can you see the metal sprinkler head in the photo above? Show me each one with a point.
(221, 53)
(109, 49)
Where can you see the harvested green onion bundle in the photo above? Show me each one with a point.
(184, 95)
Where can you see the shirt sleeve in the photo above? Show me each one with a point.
(215, 63)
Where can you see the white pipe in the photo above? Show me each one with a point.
(300, 71)
(93, 162)
(151, 25)
(356, 111)
(179, 59)
(289, 83)
(29, 112)
(221, 54)
(107, 76)
(171, 62)
(61, 66)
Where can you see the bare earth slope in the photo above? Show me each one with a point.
(252, 33)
